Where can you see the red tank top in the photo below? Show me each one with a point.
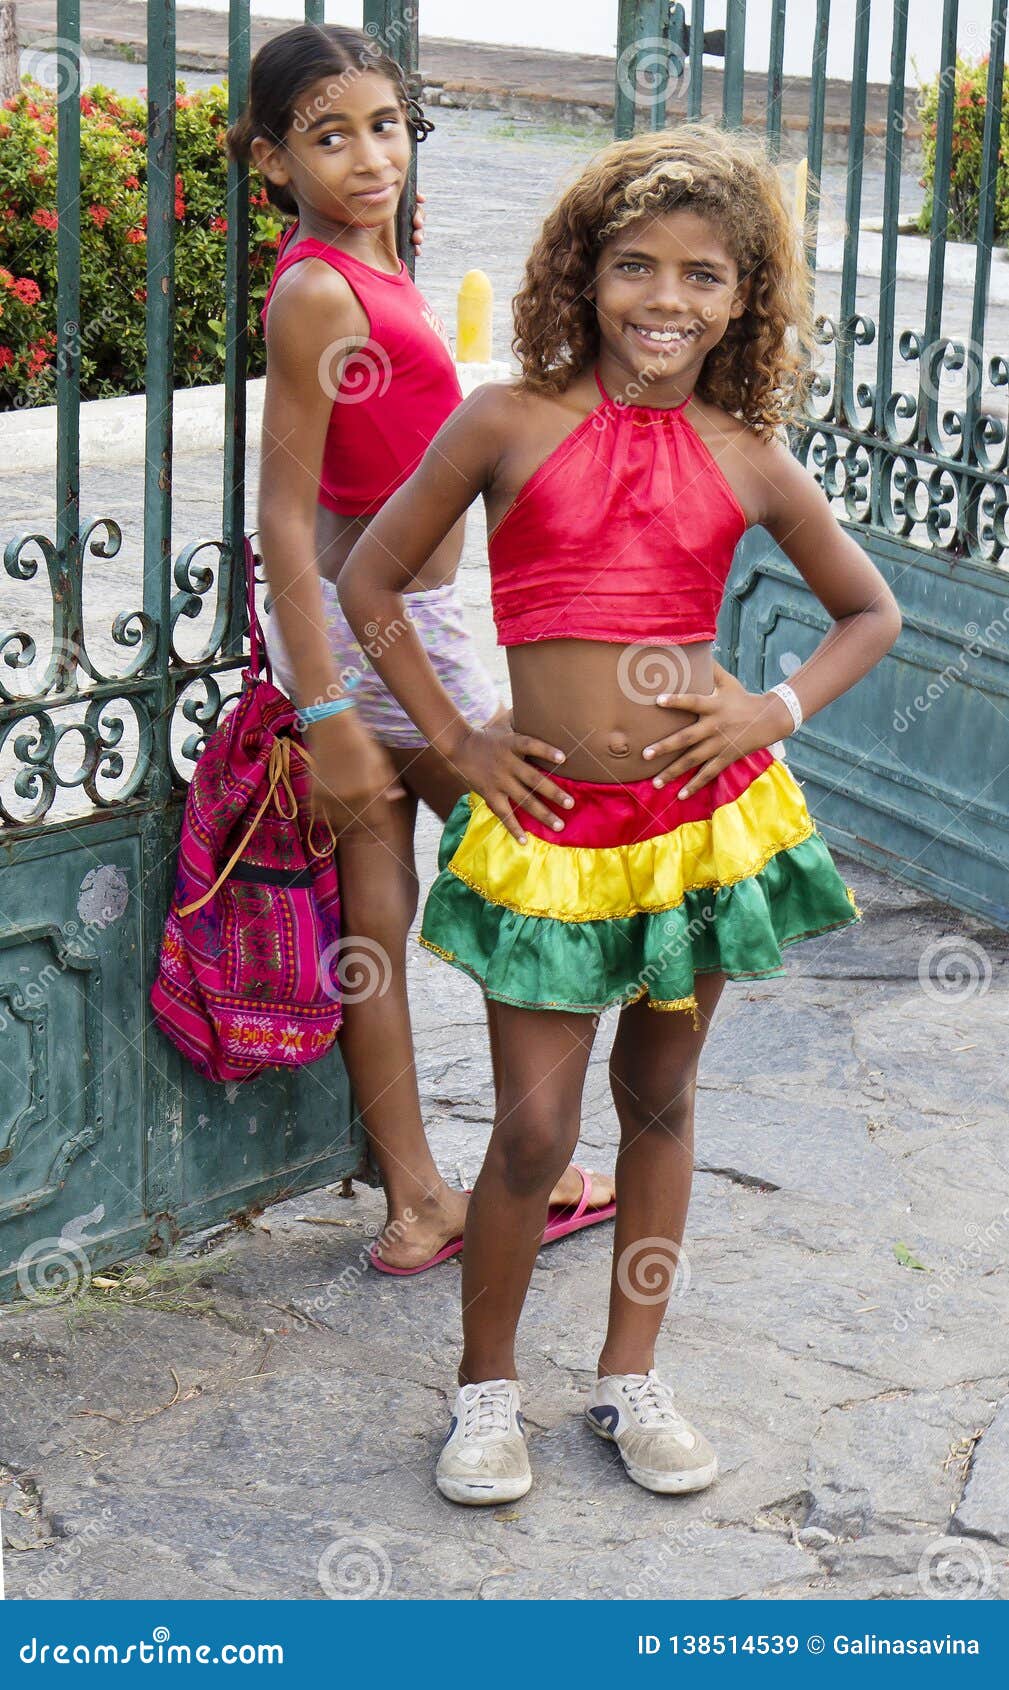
(626, 532)
(394, 393)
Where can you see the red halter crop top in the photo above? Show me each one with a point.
(394, 393)
(626, 532)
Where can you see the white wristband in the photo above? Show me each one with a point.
(794, 707)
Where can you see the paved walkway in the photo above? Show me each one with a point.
(840, 1338)
(524, 80)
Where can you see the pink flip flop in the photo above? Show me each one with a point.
(452, 1248)
(564, 1218)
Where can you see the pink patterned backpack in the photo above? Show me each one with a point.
(246, 977)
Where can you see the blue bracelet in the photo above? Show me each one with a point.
(318, 712)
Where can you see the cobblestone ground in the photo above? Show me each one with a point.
(840, 1334)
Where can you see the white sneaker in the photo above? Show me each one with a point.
(660, 1449)
(484, 1458)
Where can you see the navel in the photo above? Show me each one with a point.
(618, 745)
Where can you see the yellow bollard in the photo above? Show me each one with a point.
(475, 306)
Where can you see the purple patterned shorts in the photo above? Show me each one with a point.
(439, 619)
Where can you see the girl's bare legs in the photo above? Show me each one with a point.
(653, 1073)
(378, 878)
(542, 1058)
(378, 886)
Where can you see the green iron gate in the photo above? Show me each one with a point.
(906, 434)
(108, 1142)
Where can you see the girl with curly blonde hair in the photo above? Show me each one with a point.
(664, 332)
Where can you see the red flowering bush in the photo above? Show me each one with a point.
(112, 334)
(970, 97)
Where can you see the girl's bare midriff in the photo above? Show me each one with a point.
(595, 701)
(336, 536)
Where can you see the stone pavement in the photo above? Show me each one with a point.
(850, 1122)
(523, 80)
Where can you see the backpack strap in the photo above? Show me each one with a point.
(279, 782)
(279, 776)
(258, 656)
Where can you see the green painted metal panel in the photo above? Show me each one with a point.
(903, 771)
(72, 1012)
(88, 1148)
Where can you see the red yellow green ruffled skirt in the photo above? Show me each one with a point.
(639, 894)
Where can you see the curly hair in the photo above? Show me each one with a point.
(761, 369)
(286, 66)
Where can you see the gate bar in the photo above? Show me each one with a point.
(163, 1101)
(732, 83)
(236, 328)
(395, 26)
(66, 589)
(642, 30)
(845, 409)
(975, 449)
(695, 87)
(775, 63)
(928, 403)
(158, 377)
(891, 214)
(817, 113)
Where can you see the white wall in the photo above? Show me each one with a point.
(591, 26)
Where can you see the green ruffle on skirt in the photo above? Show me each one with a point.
(537, 962)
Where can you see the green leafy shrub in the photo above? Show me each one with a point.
(969, 104)
(113, 244)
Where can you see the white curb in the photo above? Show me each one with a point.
(112, 430)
